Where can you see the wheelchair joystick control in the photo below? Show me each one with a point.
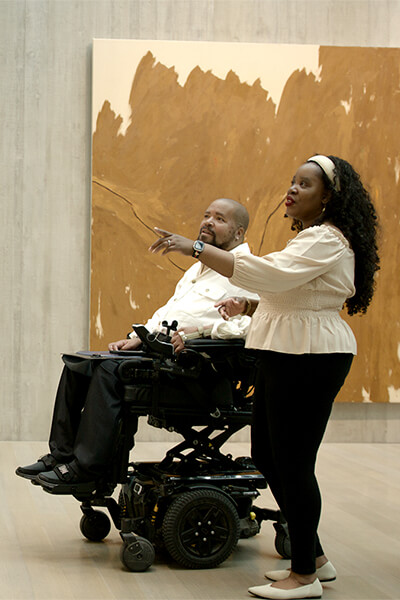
(169, 328)
(153, 341)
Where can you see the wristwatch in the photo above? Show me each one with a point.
(198, 248)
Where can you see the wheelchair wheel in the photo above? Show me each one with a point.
(95, 526)
(138, 555)
(282, 543)
(201, 528)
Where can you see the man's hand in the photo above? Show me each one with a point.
(128, 344)
(177, 341)
(231, 307)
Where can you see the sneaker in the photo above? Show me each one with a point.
(44, 463)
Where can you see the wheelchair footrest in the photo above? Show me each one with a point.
(79, 490)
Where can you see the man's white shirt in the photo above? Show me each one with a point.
(193, 302)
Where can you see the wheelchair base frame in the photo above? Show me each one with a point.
(197, 518)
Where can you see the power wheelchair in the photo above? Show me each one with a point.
(197, 502)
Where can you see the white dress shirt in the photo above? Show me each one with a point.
(302, 291)
(193, 302)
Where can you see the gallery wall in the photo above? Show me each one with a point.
(45, 104)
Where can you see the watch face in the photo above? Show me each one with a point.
(198, 245)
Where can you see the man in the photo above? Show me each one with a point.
(88, 402)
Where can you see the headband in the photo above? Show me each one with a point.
(328, 167)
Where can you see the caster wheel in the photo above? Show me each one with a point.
(201, 528)
(282, 541)
(138, 555)
(95, 526)
(248, 528)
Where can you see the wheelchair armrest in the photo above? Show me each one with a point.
(210, 344)
(152, 341)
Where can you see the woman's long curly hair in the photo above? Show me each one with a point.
(352, 211)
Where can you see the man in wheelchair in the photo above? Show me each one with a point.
(88, 406)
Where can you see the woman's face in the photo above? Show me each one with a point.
(307, 195)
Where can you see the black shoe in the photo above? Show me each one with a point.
(44, 463)
(64, 480)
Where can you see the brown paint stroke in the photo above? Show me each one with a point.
(134, 211)
(187, 145)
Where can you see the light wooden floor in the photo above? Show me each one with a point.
(44, 556)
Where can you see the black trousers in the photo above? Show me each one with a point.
(86, 415)
(293, 401)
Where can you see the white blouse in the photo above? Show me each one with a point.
(302, 291)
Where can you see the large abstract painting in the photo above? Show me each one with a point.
(179, 124)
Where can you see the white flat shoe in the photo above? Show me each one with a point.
(311, 590)
(325, 573)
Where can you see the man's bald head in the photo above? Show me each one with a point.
(224, 224)
(240, 214)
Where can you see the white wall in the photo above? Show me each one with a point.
(45, 96)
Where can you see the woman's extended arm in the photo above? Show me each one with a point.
(216, 259)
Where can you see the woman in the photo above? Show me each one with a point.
(305, 348)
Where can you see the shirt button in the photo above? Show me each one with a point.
(193, 281)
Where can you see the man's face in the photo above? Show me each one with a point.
(218, 226)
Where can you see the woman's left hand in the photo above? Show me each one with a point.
(230, 307)
(171, 242)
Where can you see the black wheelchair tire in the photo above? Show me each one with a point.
(137, 556)
(95, 526)
(282, 544)
(201, 528)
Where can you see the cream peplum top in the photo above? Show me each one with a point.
(302, 290)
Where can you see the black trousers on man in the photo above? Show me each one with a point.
(87, 415)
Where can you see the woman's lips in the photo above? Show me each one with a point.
(289, 201)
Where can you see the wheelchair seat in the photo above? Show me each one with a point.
(209, 385)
